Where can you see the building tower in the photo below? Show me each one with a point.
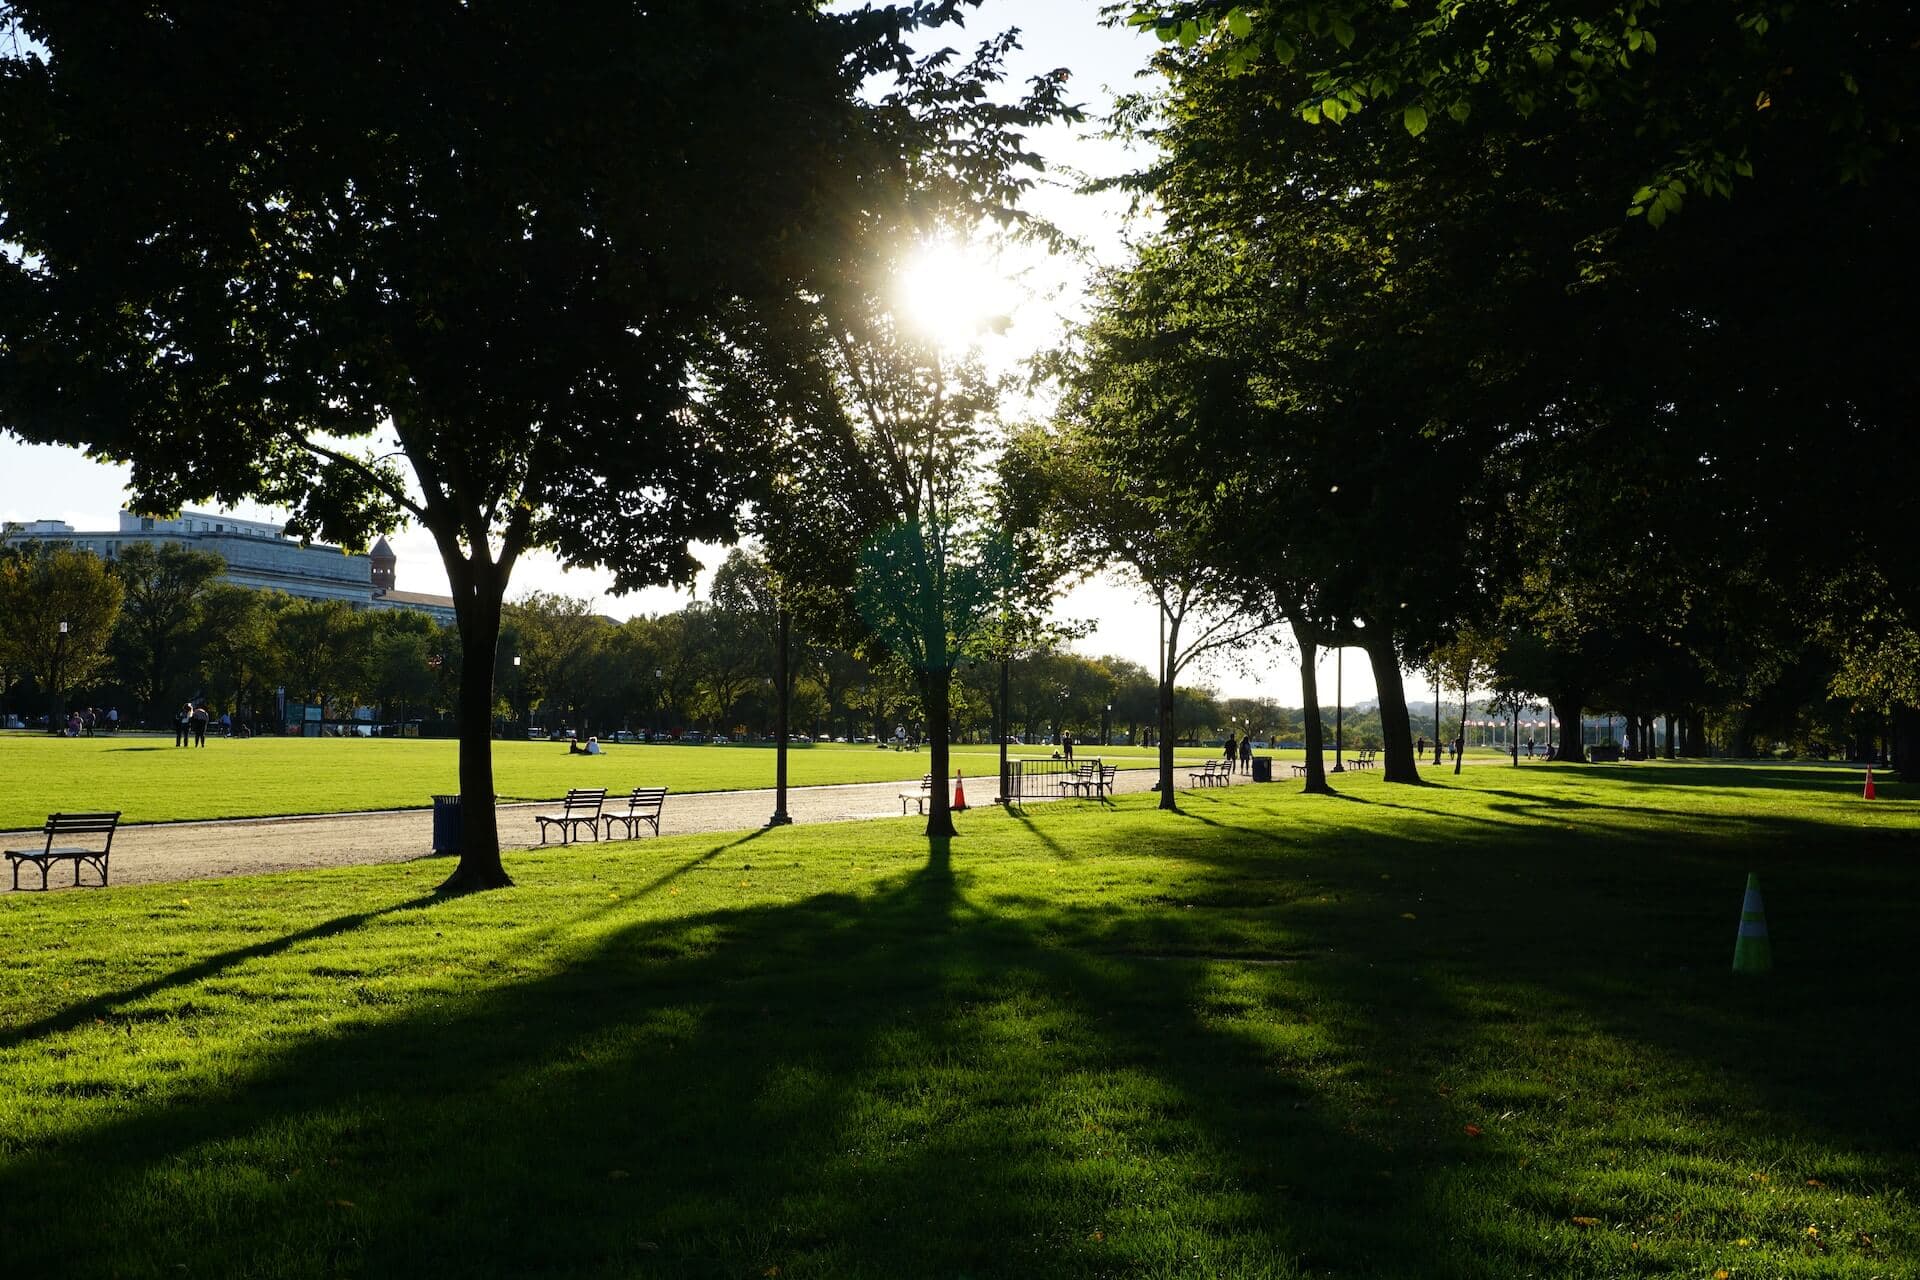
(383, 561)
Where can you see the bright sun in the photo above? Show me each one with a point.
(954, 294)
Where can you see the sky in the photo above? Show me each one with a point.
(43, 482)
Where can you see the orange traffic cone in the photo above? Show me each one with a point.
(1868, 793)
(959, 790)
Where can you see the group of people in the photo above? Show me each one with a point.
(1454, 748)
(1239, 753)
(191, 720)
(81, 721)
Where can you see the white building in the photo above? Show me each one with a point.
(257, 555)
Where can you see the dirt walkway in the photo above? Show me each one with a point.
(156, 853)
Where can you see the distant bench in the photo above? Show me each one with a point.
(644, 805)
(919, 797)
(582, 805)
(61, 826)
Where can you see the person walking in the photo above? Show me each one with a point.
(1232, 751)
(1066, 745)
(200, 718)
(182, 725)
(1246, 754)
(113, 719)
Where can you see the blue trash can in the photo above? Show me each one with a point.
(446, 824)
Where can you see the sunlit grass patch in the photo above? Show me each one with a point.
(1482, 1029)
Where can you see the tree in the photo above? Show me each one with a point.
(306, 226)
(558, 638)
(57, 611)
(160, 627)
(316, 643)
(236, 645)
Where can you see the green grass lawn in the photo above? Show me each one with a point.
(1478, 1029)
(150, 780)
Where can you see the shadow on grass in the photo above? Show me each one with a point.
(210, 967)
(904, 1083)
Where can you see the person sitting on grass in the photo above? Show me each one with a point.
(591, 749)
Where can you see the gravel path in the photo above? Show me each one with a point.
(155, 853)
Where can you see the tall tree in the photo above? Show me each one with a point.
(473, 233)
(155, 644)
(57, 611)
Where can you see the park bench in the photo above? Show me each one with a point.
(919, 797)
(1211, 773)
(643, 805)
(1104, 786)
(1365, 760)
(63, 826)
(1081, 782)
(1299, 770)
(582, 805)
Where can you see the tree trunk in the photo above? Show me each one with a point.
(1670, 747)
(1906, 743)
(935, 694)
(1171, 647)
(478, 609)
(1396, 733)
(1566, 708)
(782, 633)
(1460, 754)
(1006, 680)
(1309, 641)
(1697, 734)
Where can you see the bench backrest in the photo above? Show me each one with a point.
(63, 824)
(586, 798)
(647, 798)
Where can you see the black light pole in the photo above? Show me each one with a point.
(1339, 697)
(783, 625)
(56, 709)
(1106, 727)
(1436, 714)
(659, 702)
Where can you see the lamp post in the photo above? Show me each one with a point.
(1436, 713)
(1339, 698)
(56, 708)
(659, 702)
(1106, 727)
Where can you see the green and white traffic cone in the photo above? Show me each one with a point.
(1752, 953)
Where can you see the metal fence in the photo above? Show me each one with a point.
(1049, 778)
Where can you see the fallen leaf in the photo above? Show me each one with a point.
(1815, 1182)
(341, 1204)
(1406, 915)
(1097, 1236)
(617, 1174)
(1474, 1131)
(1814, 1232)
(771, 1271)
(1721, 1274)
(1586, 1222)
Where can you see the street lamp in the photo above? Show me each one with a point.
(56, 708)
(1106, 726)
(1436, 713)
(659, 700)
(1339, 698)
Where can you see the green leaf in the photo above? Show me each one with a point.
(1311, 114)
(1189, 34)
(1333, 109)
(1284, 50)
(1343, 31)
(1415, 118)
(1656, 214)
(1240, 24)
(1460, 110)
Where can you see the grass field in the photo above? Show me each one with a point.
(150, 780)
(1479, 1029)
